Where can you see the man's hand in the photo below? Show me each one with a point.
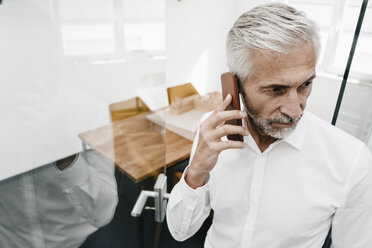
(210, 144)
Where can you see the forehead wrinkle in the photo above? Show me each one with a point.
(285, 82)
(285, 69)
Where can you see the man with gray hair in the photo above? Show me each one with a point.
(293, 175)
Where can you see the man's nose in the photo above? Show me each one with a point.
(291, 106)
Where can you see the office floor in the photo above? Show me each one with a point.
(123, 230)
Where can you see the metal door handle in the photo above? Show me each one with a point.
(161, 198)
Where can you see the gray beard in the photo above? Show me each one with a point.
(265, 124)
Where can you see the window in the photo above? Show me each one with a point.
(144, 25)
(337, 21)
(363, 52)
(87, 27)
(112, 29)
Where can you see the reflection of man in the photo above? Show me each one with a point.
(58, 205)
(294, 175)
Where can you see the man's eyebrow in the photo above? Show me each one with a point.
(282, 86)
(311, 78)
(285, 86)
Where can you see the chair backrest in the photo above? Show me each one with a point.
(180, 91)
(128, 108)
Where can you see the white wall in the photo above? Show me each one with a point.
(245, 5)
(196, 33)
(46, 100)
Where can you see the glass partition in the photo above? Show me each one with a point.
(79, 79)
(355, 116)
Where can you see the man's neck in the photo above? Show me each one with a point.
(262, 140)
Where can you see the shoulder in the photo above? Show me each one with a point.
(318, 129)
(335, 145)
(332, 147)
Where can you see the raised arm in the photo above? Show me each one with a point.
(189, 204)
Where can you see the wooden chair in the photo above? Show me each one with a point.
(128, 108)
(180, 91)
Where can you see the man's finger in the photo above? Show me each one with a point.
(226, 102)
(229, 129)
(220, 124)
(218, 117)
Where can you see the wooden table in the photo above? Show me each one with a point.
(137, 146)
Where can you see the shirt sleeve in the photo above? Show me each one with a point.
(90, 186)
(351, 226)
(188, 208)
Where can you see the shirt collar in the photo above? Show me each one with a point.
(296, 138)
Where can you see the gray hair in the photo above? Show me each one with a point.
(274, 27)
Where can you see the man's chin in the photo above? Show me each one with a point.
(281, 133)
(281, 130)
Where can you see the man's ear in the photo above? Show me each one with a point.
(241, 86)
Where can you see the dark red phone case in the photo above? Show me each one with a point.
(230, 85)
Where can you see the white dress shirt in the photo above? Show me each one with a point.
(49, 208)
(286, 197)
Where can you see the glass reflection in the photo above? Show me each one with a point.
(59, 204)
(63, 63)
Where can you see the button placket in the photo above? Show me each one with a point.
(255, 190)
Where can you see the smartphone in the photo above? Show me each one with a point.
(230, 85)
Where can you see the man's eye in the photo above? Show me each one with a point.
(304, 85)
(276, 90)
